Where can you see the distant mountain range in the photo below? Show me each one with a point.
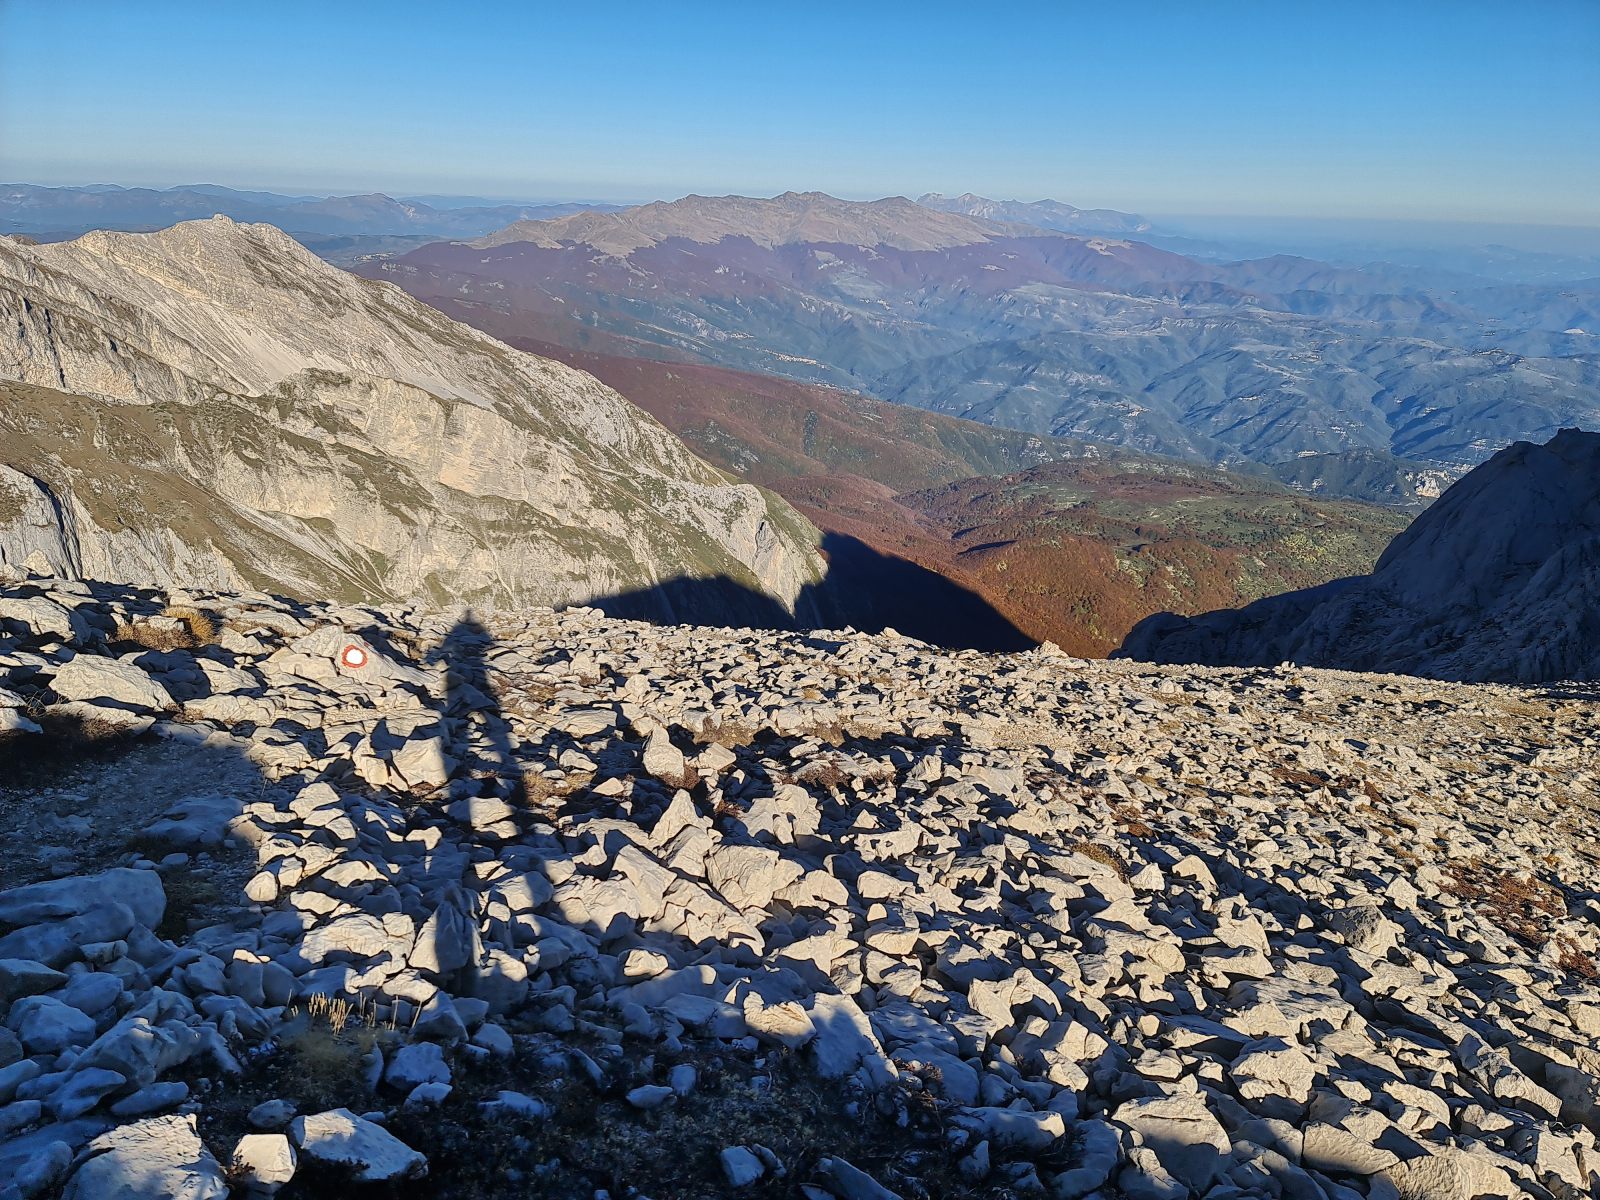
(1546, 255)
(792, 219)
(1500, 580)
(213, 406)
(1264, 362)
(1045, 214)
(1084, 360)
(51, 214)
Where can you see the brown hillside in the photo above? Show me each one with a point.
(1067, 541)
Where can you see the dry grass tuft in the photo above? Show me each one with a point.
(78, 731)
(193, 630)
(538, 789)
(1104, 855)
(823, 773)
(1521, 906)
(1131, 818)
(731, 734)
(335, 1010)
(201, 626)
(324, 1062)
(1575, 962)
(1298, 777)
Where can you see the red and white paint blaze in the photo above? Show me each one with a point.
(354, 657)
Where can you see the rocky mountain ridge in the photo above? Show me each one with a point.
(258, 418)
(559, 902)
(793, 218)
(1498, 580)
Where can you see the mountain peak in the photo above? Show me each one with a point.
(211, 256)
(789, 218)
(261, 415)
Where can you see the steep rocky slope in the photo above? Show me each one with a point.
(769, 429)
(563, 903)
(1499, 580)
(240, 413)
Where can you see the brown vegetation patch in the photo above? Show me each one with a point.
(823, 773)
(1131, 818)
(1297, 777)
(1522, 906)
(1574, 961)
(1104, 855)
(732, 734)
(192, 630)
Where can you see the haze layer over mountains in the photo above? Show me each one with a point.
(62, 212)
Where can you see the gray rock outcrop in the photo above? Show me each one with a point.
(1498, 581)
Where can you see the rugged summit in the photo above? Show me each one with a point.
(1499, 580)
(214, 405)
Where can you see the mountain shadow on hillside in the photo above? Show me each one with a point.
(864, 589)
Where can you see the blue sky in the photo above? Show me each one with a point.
(1459, 110)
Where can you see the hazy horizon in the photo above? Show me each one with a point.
(1438, 112)
(1270, 230)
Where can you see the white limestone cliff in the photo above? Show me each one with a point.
(211, 404)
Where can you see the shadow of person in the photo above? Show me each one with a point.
(480, 733)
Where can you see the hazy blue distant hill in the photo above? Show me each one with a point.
(57, 213)
(1045, 214)
(1447, 251)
